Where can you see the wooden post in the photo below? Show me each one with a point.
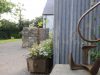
(38, 36)
(85, 53)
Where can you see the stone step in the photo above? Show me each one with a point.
(64, 69)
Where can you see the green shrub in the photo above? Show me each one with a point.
(16, 35)
(94, 55)
(3, 35)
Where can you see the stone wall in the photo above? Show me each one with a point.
(30, 36)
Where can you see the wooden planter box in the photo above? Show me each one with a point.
(38, 65)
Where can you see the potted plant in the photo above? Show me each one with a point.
(40, 57)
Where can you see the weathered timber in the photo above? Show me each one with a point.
(85, 50)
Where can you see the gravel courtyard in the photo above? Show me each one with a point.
(13, 59)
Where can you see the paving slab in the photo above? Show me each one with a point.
(64, 69)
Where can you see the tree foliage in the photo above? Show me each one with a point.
(17, 13)
(8, 29)
(38, 22)
(5, 6)
(25, 23)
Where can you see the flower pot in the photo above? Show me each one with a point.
(39, 65)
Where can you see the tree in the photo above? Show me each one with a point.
(18, 12)
(38, 22)
(8, 29)
(25, 23)
(5, 6)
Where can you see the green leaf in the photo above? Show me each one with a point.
(40, 24)
(5, 6)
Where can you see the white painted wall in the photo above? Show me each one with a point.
(49, 22)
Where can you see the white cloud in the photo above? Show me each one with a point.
(34, 8)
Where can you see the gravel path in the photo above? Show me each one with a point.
(13, 59)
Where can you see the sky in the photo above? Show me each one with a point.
(33, 8)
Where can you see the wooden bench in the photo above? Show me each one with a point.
(64, 69)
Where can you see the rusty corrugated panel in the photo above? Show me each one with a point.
(66, 38)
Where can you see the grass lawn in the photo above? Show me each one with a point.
(9, 40)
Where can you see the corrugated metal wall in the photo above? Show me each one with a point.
(66, 38)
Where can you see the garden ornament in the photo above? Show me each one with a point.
(79, 22)
(85, 50)
(93, 69)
